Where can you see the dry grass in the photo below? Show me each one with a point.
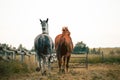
(98, 71)
(94, 72)
(109, 70)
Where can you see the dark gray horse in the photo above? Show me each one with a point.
(43, 47)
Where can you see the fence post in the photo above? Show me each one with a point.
(11, 55)
(102, 56)
(5, 55)
(14, 56)
(22, 57)
(36, 58)
(87, 60)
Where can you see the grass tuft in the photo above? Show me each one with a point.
(9, 68)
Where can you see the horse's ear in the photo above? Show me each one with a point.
(47, 20)
(40, 20)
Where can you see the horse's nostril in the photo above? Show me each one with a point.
(43, 28)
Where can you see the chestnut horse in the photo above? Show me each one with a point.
(63, 47)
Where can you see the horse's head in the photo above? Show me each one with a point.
(44, 24)
(65, 31)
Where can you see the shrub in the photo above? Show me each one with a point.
(8, 68)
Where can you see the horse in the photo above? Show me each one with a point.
(44, 45)
(63, 47)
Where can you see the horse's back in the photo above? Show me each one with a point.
(63, 43)
(69, 43)
(43, 43)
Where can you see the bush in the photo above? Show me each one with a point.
(8, 68)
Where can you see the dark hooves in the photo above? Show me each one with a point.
(63, 70)
(38, 69)
(44, 73)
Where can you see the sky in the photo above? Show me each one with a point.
(95, 22)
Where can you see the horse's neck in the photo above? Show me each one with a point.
(66, 34)
(46, 31)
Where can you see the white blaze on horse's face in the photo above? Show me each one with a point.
(44, 25)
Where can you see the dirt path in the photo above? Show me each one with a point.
(94, 72)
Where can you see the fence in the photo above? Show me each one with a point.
(76, 61)
(81, 61)
(11, 55)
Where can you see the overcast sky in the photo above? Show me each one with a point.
(95, 22)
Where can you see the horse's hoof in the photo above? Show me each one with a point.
(51, 68)
(49, 74)
(38, 69)
(44, 73)
(59, 72)
(63, 71)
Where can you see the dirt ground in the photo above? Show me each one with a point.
(94, 72)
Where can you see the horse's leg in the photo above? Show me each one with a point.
(49, 64)
(67, 63)
(63, 66)
(38, 63)
(41, 64)
(59, 62)
(44, 63)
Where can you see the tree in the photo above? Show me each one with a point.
(80, 48)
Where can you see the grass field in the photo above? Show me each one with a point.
(99, 68)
